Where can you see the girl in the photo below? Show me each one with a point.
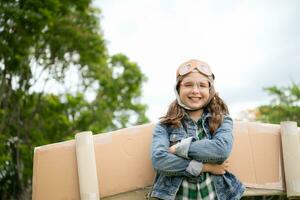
(193, 140)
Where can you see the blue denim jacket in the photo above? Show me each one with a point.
(190, 154)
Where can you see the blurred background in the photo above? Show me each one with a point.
(249, 45)
(68, 66)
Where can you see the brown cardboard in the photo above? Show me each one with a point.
(55, 172)
(123, 161)
(291, 152)
(256, 157)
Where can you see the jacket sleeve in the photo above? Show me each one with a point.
(215, 150)
(167, 163)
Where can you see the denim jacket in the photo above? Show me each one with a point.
(190, 155)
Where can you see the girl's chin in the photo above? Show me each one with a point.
(195, 106)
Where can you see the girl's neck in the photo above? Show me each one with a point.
(196, 114)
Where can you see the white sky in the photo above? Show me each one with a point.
(249, 45)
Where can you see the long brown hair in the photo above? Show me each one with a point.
(216, 107)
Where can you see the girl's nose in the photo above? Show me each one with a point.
(196, 88)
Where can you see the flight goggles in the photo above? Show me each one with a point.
(192, 65)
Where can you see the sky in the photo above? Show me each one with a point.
(249, 45)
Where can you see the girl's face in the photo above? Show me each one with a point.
(194, 90)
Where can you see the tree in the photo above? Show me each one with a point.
(285, 106)
(40, 43)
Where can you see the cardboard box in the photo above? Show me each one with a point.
(256, 157)
(123, 161)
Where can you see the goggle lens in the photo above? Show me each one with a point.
(185, 69)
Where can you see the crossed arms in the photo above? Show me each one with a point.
(190, 158)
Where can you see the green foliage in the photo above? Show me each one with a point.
(39, 42)
(285, 106)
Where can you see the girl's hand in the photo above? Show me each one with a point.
(172, 149)
(217, 169)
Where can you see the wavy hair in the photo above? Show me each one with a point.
(216, 107)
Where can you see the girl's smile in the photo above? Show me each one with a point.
(194, 90)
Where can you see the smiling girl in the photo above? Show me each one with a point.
(192, 142)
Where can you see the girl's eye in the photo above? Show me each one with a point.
(203, 85)
(199, 85)
(188, 84)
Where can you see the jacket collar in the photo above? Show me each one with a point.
(204, 116)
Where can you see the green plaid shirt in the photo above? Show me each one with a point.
(201, 190)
